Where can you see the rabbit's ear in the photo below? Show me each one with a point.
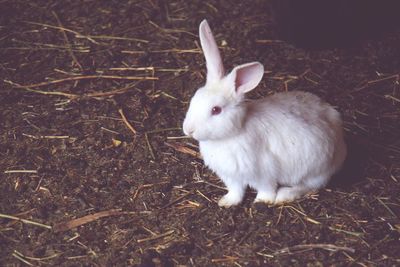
(215, 67)
(246, 77)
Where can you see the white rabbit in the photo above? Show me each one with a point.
(283, 146)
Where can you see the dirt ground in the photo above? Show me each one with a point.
(94, 168)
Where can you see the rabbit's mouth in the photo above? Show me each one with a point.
(188, 131)
(192, 133)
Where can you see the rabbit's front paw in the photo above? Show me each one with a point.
(289, 194)
(265, 197)
(229, 200)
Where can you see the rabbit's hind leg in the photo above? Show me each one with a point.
(287, 194)
(266, 190)
(290, 193)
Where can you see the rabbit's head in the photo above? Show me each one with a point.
(216, 110)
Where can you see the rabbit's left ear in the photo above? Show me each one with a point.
(215, 67)
(246, 77)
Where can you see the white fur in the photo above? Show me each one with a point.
(284, 146)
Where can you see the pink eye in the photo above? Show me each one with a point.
(216, 110)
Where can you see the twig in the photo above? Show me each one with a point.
(184, 149)
(50, 46)
(386, 207)
(34, 258)
(87, 77)
(211, 184)
(173, 50)
(178, 137)
(262, 41)
(88, 37)
(392, 98)
(170, 96)
(189, 204)
(108, 130)
(150, 69)
(127, 123)
(77, 34)
(164, 130)
(305, 215)
(65, 226)
(368, 83)
(140, 188)
(384, 79)
(204, 196)
(20, 171)
(46, 47)
(146, 136)
(72, 96)
(55, 136)
(330, 247)
(77, 257)
(152, 238)
(144, 186)
(106, 37)
(24, 221)
(110, 93)
(22, 259)
(176, 200)
(47, 136)
(280, 214)
(67, 42)
(357, 234)
(134, 68)
(171, 30)
(226, 259)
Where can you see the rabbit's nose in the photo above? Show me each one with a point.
(189, 132)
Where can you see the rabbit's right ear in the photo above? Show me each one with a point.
(246, 77)
(215, 67)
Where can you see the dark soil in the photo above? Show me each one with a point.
(103, 194)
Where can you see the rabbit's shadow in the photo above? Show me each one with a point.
(353, 170)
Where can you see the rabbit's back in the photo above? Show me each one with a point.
(297, 105)
(301, 131)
